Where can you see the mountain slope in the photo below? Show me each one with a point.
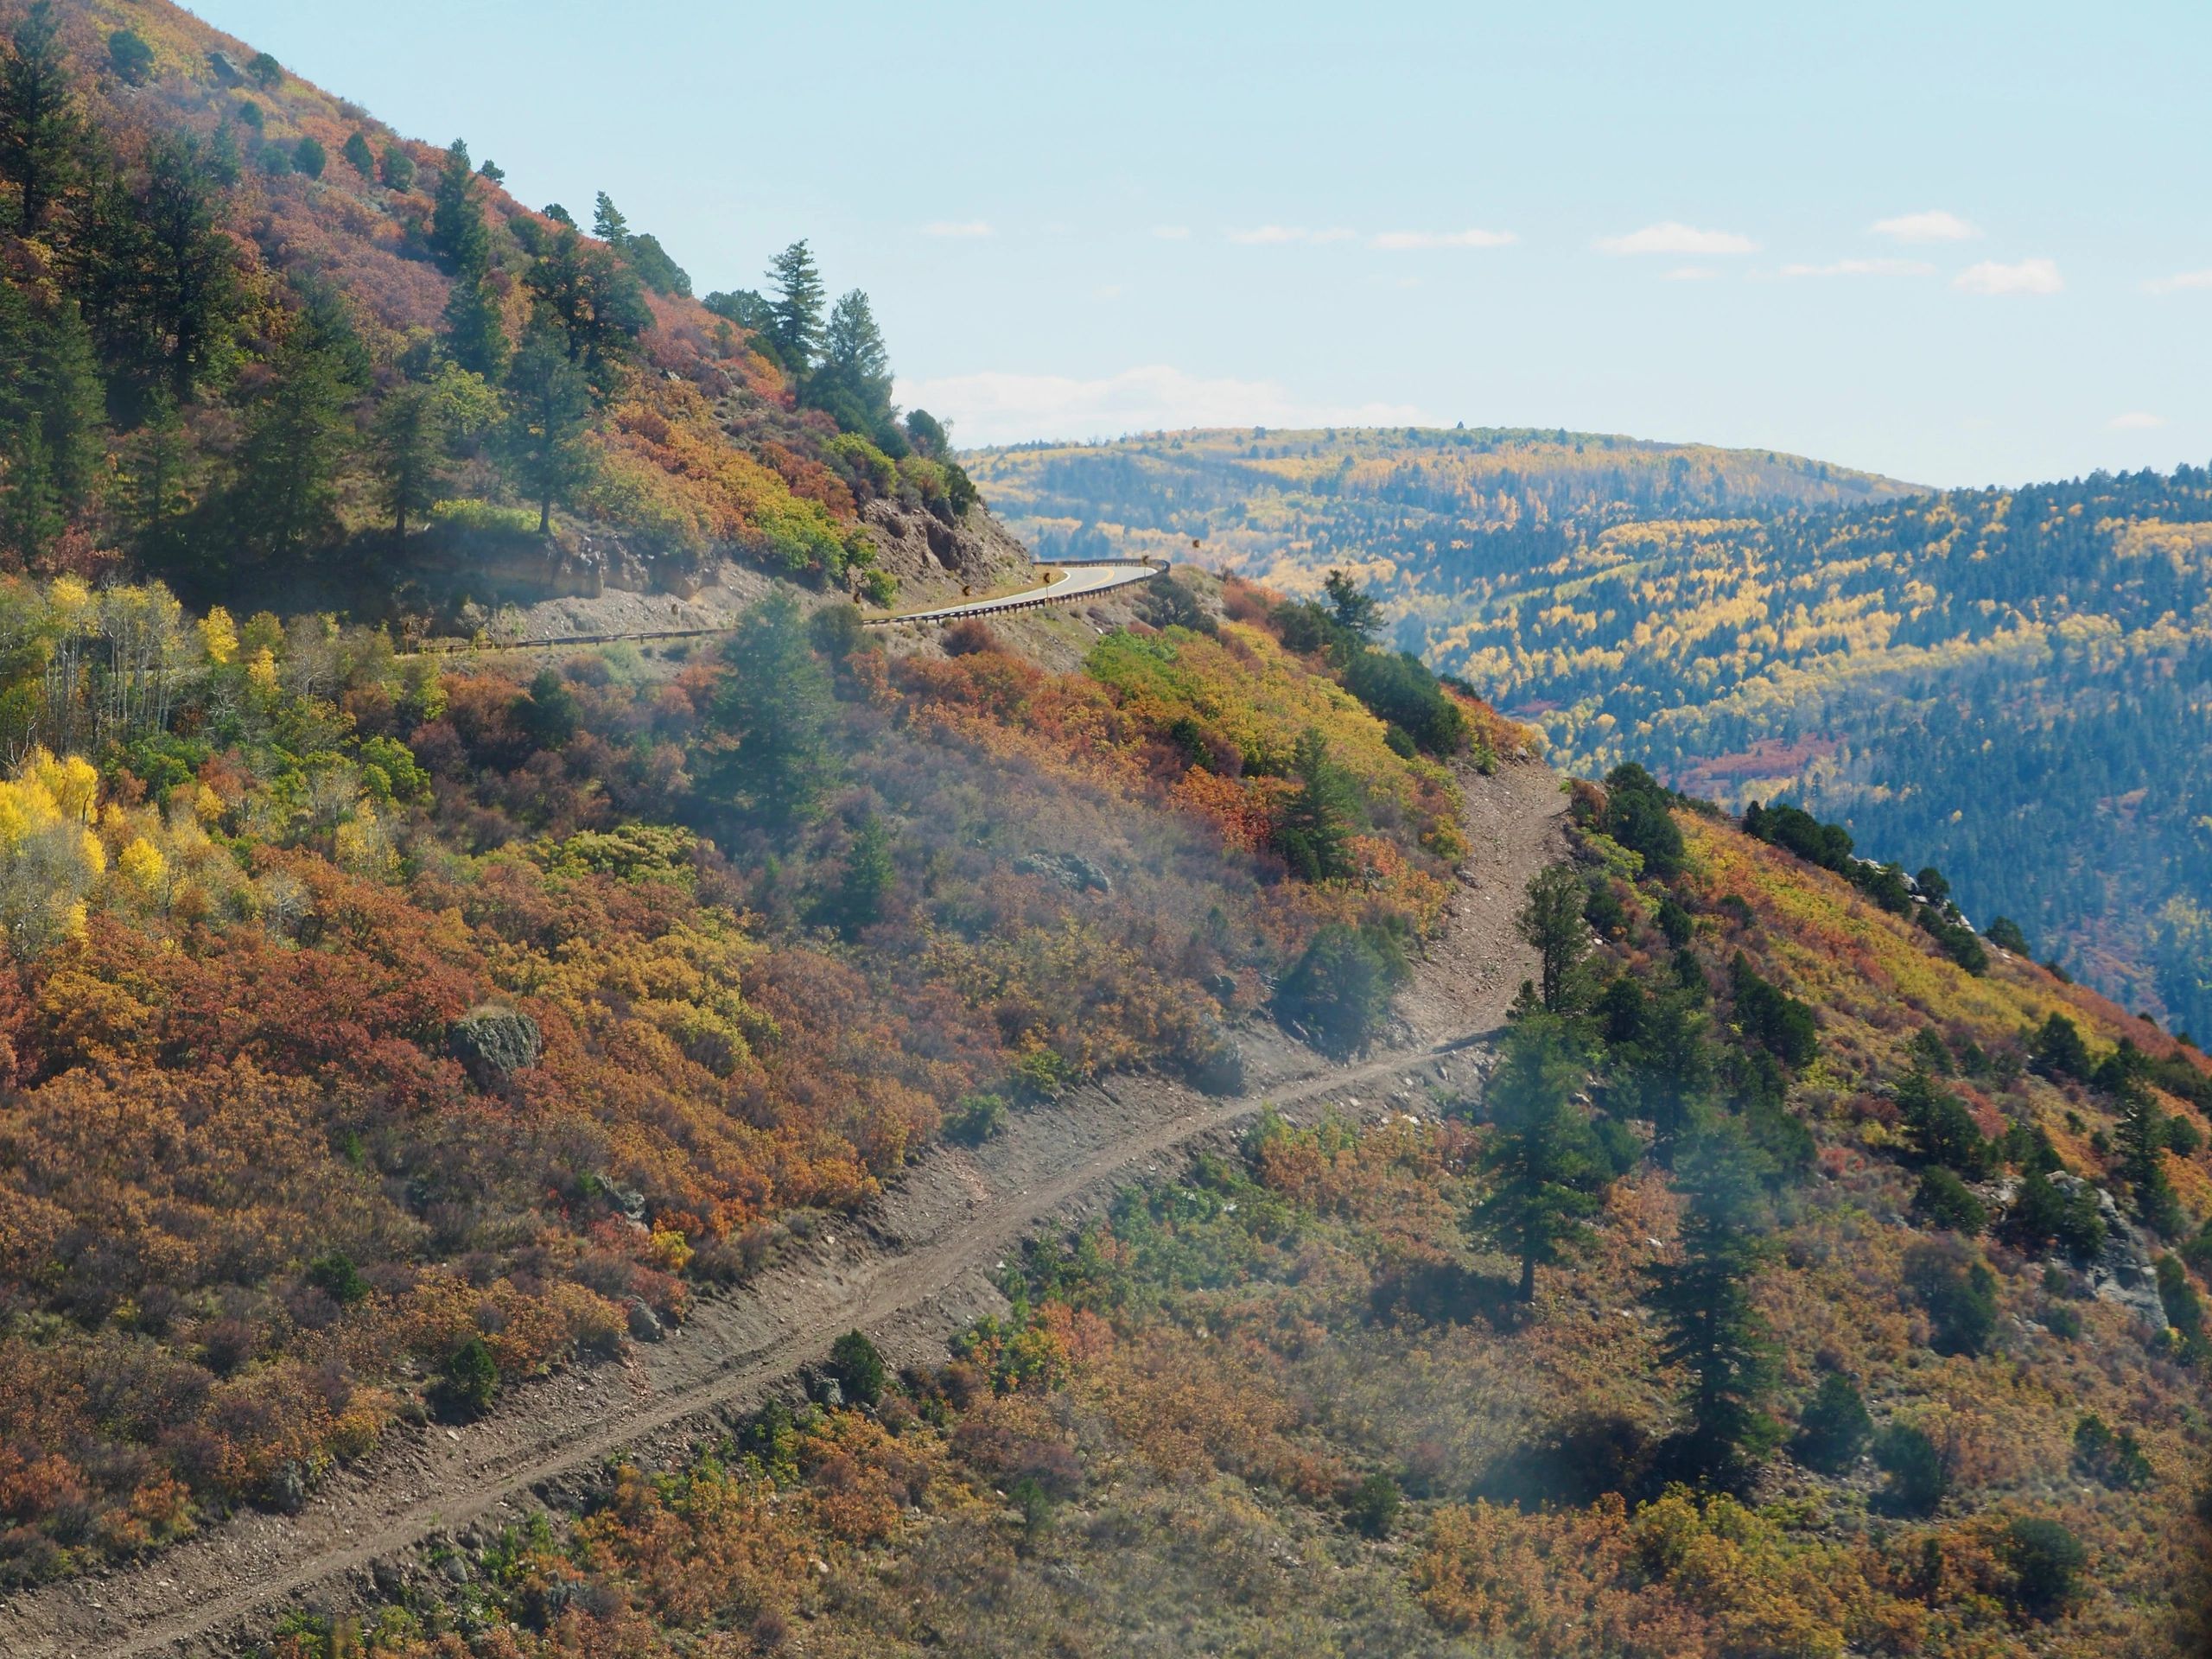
(2006, 684)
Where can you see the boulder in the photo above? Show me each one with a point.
(1071, 870)
(494, 1042)
(644, 1323)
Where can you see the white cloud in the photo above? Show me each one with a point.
(2136, 420)
(2179, 282)
(1689, 274)
(1863, 268)
(1671, 238)
(1934, 225)
(962, 228)
(1271, 235)
(1171, 233)
(2028, 276)
(1013, 408)
(1397, 240)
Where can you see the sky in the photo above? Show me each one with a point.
(1958, 244)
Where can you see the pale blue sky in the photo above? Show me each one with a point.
(1079, 220)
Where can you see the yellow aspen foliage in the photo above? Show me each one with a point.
(49, 856)
(261, 670)
(144, 867)
(218, 636)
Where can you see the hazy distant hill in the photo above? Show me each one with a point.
(2011, 684)
(1284, 506)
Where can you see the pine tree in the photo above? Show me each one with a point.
(1541, 1172)
(395, 167)
(359, 155)
(1703, 1302)
(1551, 921)
(31, 516)
(43, 135)
(607, 223)
(457, 235)
(853, 381)
(476, 333)
(594, 299)
(158, 478)
(2142, 1160)
(298, 433)
(549, 416)
(409, 448)
(795, 311)
(1314, 834)
(53, 382)
(773, 713)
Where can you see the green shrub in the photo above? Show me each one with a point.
(977, 1119)
(1944, 1200)
(859, 1368)
(1373, 1507)
(1834, 1429)
(1339, 991)
(471, 1378)
(1918, 1480)
(1959, 1293)
(2045, 1559)
(337, 1277)
(2116, 1461)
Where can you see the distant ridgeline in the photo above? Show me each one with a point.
(2012, 683)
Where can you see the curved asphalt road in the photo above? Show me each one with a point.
(1073, 582)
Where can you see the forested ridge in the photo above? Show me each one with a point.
(2008, 682)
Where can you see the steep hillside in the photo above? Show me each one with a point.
(2006, 683)
(1850, 1329)
(275, 347)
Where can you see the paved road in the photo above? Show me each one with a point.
(1073, 582)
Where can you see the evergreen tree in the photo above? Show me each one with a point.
(549, 416)
(1666, 1074)
(359, 155)
(608, 224)
(476, 333)
(594, 299)
(309, 157)
(1358, 613)
(267, 72)
(43, 135)
(2142, 1160)
(773, 713)
(458, 234)
(31, 515)
(160, 280)
(298, 433)
(52, 414)
(395, 167)
(1703, 1302)
(853, 380)
(157, 479)
(1542, 1174)
(410, 452)
(795, 312)
(1550, 920)
(869, 875)
(1314, 836)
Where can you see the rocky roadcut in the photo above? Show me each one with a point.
(917, 1268)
